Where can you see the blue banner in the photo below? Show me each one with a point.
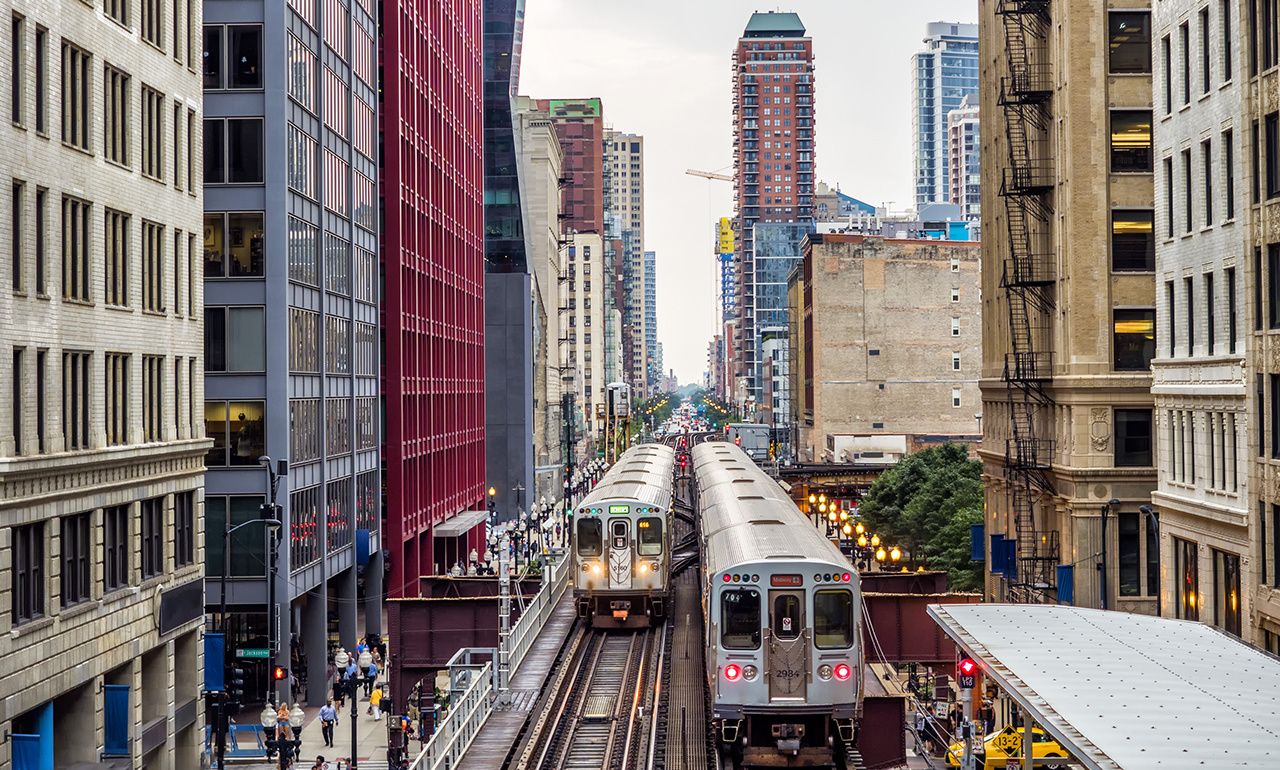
(214, 662)
(977, 542)
(997, 554)
(1066, 584)
(117, 720)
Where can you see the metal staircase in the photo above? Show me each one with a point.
(1029, 284)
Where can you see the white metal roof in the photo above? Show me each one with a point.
(1128, 691)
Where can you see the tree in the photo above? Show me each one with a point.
(926, 504)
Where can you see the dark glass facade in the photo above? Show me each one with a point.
(503, 228)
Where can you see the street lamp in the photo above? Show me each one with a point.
(880, 554)
(1153, 523)
(895, 554)
(875, 541)
(859, 528)
(348, 685)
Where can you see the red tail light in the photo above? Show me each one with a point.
(733, 673)
(842, 671)
(845, 577)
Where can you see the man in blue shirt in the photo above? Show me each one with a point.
(328, 718)
(371, 673)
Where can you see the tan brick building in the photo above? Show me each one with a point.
(888, 344)
(1068, 332)
(101, 325)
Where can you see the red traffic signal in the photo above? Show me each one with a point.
(967, 666)
(279, 673)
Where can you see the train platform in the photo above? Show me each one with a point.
(502, 730)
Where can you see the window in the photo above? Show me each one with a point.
(1133, 243)
(337, 264)
(366, 202)
(366, 423)
(304, 340)
(1184, 36)
(152, 30)
(337, 101)
(1231, 310)
(42, 81)
(1224, 13)
(238, 430)
(235, 339)
(301, 62)
(1257, 288)
(336, 178)
(16, 405)
(16, 230)
(152, 537)
(1275, 415)
(1209, 299)
(115, 124)
(115, 547)
(1272, 127)
(955, 397)
(233, 245)
(336, 21)
(152, 398)
(364, 127)
(75, 400)
(366, 276)
(17, 68)
(337, 345)
(1226, 592)
(116, 262)
(192, 272)
(955, 327)
(366, 345)
(152, 133)
(1130, 140)
(740, 627)
(1273, 285)
(1133, 438)
(1166, 49)
(364, 56)
(1130, 42)
(1229, 173)
(178, 242)
(1153, 556)
(1206, 155)
(74, 558)
(955, 362)
(1170, 309)
(1257, 166)
(1133, 339)
(304, 430)
(590, 538)
(177, 30)
(116, 398)
(955, 295)
(1204, 50)
(41, 366)
(76, 78)
(1269, 43)
(1189, 284)
(1186, 191)
(649, 537)
(241, 45)
(247, 545)
(191, 151)
(337, 426)
(1187, 569)
(27, 555)
(304, 522)
(301, 161)
(153, 267)
(177, 145)
(1130, 565)
(832, 619)
(233, 151)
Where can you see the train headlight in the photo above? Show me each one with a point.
(843, 671)
(595, 568)
(749, 673)
(732, 672)
(644, 567)
(824, 671)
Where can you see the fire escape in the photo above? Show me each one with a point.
(1028, 281)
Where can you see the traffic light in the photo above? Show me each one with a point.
(967, 666)
(234, 681)
(279, 673)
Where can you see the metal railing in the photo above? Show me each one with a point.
(467, 715)
(469, 710)
(534, 617)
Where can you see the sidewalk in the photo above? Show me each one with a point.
(371, 741)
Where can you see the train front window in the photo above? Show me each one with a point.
(590, 537)
(740, 620)
(832, 619)
(786, 616)
(650, 537)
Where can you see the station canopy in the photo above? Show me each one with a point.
(1128, 691)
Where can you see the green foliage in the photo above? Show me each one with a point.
(925, 504)
(717, 414)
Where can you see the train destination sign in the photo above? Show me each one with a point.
(618, 509)
(786, 580)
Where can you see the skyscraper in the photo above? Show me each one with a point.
(653, 359)
(291, 256)
(944, 73)
(773, 157)
(433, 257)
(624, 165)
(963, 158)
(102, 449)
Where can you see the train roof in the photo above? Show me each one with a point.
(747, 518)
(642, 473)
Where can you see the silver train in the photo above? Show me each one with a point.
(783, 617)
(622, 541)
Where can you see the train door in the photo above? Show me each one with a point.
(619, 553)
(788, 646)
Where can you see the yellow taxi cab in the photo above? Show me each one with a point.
(1006, 744)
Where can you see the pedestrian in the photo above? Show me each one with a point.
(361, 647)
(328, 718)
(371, 674)
(320, 763)
(987, 715)
(282, 722)
(375, 704)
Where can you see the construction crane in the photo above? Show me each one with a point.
(708, 175)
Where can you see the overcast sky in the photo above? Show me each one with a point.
(662, 70)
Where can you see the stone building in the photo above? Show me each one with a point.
(888, 343)
(102, 325)
(1067, 338)
(624, 167)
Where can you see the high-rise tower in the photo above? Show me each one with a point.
(945, 72)
(773, 158)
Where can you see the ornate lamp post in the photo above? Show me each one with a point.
(348, 684)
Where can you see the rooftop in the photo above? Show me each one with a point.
(774, 24)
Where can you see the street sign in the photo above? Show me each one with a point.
(967, 681)
(252, 652)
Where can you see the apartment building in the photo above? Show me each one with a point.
(102, 318)
(624, 166)
(1069, 315)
